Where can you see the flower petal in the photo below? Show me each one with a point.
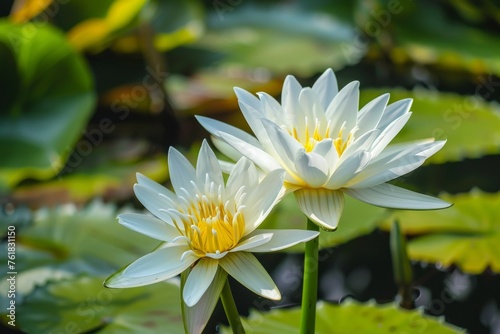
(207, 164)
(343, 108)
(311, 108)
(147, 182)
(289, 99)
(148, 225)
(155, 203)
(347, 170)
(247, 270)
(243, 174)
(256, 154)
(197, 316)
(324, 207)
(282, 239)
(182, 173)
(199, 280)
(326, 88)
(312, 168)
(161, 264)
(214, 127)
(389, 196)
(225, 149)
(370, 115)
(253, 241)
(271, 108)
(394, 111)
(388, 134)
(395, 162)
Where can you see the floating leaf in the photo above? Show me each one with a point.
(470, 125)
(358, 219)
(47, 101)
(349, 317)
(83, 305)
(284, 39)
(466, 235)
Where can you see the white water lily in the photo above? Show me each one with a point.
(208, 226)
(328, 146)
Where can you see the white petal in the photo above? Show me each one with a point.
(326, 149)
(326, 88)
(161, 264)
(252, 241)
(147, 182)
(197, 316)
(363, 143)
(271, 108)
(344, 108)
(247, 270)
(395, 162)
(347, 170)
(257, 155)
(262, 199)
(247, 98)
(214, 127)
(244, 173)
(148, 225)
(155, 203)
(370, 115)
(389, 196)
(253, 118)
(289, 99)
(324, 207)
(199, 280)
(207, 164)
(312, 168)
(225, 149)
(394, 111)
(282, 239)
(388, 134)
(182, 173)
(311, 108)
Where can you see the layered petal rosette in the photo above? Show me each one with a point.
(207, 225)
(328, 146)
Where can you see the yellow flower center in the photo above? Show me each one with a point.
(211, 225)
(309, 141)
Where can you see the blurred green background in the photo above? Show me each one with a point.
(93, 92)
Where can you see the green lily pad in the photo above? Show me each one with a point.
(470, 125)
(358, 219)
(466, 235)
(65, 241)
(83, 305)
(47, 101)
(283, 39)
(349, 317)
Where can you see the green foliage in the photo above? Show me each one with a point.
(466, 235)
(82, 305)
(349, 317)
(47, 101)
(470, 125)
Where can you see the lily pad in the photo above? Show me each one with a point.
(470, 125)
(466, 235)
(47, 101)
(65, 241)
(284, 39)
(358, 219)
(83, 305)
(349, 317)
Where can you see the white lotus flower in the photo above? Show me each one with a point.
(207, 226)
(328, 146)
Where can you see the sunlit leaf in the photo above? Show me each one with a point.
(48, 100)
(349, 317)
(83, 305)
(470, 125)
(358, 219)
(466, 235)
(283, 39)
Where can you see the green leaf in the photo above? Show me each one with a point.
(470, 125)
(83, 305)
(349, 317)
(358, 219)
(281, 38)
(466, 235)
(65, 241)
(48, 100)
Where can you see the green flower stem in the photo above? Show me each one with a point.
(310, 286)
(230, 308)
